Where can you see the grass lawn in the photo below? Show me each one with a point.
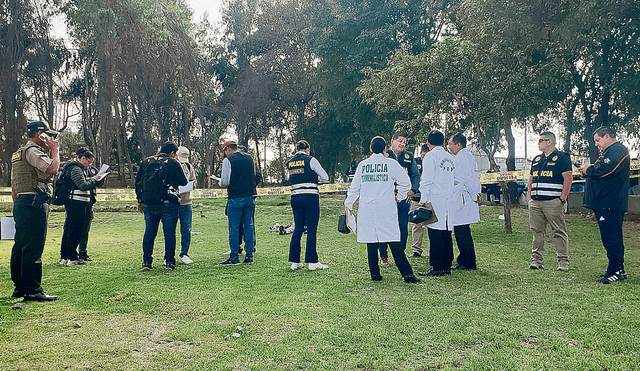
(112, 316)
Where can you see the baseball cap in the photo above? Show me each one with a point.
(168, 147)
(36, 126)
(226, 145)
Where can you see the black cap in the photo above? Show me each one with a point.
(168, 147)
(36, 126)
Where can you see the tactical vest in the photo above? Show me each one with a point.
(303, 179)
(547, 176)
(243, 176)
(24, 177)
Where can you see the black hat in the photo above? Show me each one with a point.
(168, 147)
(36, 126)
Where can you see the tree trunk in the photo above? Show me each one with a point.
(509, 190)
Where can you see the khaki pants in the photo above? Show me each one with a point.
(548, 213)
(417, 232)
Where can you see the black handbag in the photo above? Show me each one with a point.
(342, 224)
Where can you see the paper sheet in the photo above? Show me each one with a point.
(351, 219)
(186, 188)
(103, 170)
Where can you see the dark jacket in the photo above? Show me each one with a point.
(607, 186)
(408, 163)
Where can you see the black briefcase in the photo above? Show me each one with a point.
(419, 215)
(342, 224)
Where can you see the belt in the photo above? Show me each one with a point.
(26, 195)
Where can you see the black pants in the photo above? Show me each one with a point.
(306, 212)
(610, 223)
(403, 222)
(75, 223)
(84, 239)
(31, 233)
(440, 249)
(397, 250)
(467, 257)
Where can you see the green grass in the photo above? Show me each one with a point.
(111, 316)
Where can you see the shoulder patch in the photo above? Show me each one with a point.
(537, 158)
(406, 155)
(555, 158)
(16, 156)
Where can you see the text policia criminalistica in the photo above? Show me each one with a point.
(376, 169)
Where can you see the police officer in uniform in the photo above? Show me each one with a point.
(548, 188)
(32, 167)
(378, 183)
(90, 172)
(607, 194)
(304, 173)
(78, 206)
(408, 163)
(437, 187)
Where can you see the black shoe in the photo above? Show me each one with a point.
(146, 267)
(376, 278)
(536, 266)
(415, 255)
(616, 276)
(411, 279)
(17, 294)
(463, 268)
(170, 267)
(435, 272)
(40, 296)
(248, 260)
(230, 262)
(86, 258)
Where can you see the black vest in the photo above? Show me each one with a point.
(243, 180)
(303, 179)
(547, 176)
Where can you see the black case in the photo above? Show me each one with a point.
(419, 215)
(342, 224)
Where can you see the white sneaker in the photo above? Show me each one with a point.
(318, 265)
(295, 266)
(186, 259)
(63, 261)
(227, 253)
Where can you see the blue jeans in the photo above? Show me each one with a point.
(403, 222)
(240, 211)
(306, 211)
(167, 213)
(186, 213)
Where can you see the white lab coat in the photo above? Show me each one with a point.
(373, 183)
(437, 185)
(466, 189)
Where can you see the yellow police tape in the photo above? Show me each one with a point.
(508, 176)
(128, 194)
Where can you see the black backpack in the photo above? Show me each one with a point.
(61, 187)
(154, 188)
